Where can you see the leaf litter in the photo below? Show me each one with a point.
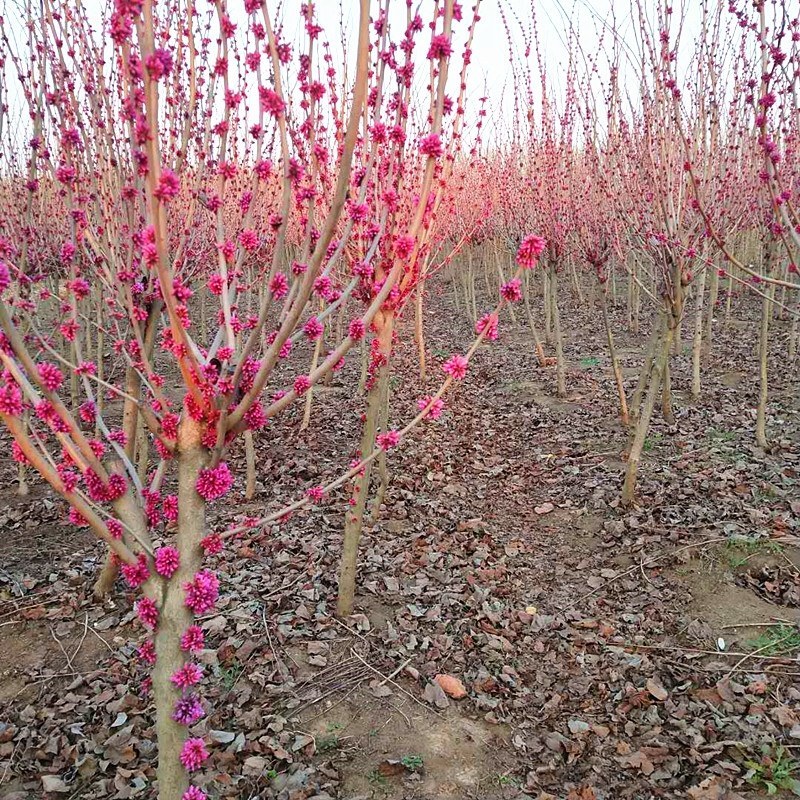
(499, 570)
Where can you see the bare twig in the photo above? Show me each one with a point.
(396, 685)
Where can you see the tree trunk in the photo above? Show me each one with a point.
(793, 336)
(354, 519)
(728, 301)
(623, 402)
(250, 459)
(362, 381)
(419, 333)
(175, 617)
(647, 367)
(22, 481)
(536, 338)
(576, 283)
(561, 385)
(101, 361)
(712, 304)
(383, 466)
(697, 342)
(666, 394)
(310, 393)
(548, 308)
(643, 423)
(763, 352)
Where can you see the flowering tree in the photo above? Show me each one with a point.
(171, 183)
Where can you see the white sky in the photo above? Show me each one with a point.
(560, 25)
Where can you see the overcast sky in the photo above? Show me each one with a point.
(559, 23)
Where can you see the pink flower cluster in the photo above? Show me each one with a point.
(51, 376)
(456, 367)
(279, 285)
(11, 400)
(188, 710)
(487, 323)
(316, 493)
(255, 417)
(431, 145)
(193, 639)
(388, 439)
(193, 754)
(168, 186)
(271, 102)
(211, 544)
(248, 239)
(356, 330)
(214, 482)
(5, 276)
(440, 47)
(168, 559)
(159, 63)
(188, 675)
(136, 574)
(147, 653)
(313, 329)
(148, 612)
(302, 383)
(530, 249)
(512, 291)
(201, 592)
(436, 406)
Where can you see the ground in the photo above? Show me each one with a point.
(606, 652)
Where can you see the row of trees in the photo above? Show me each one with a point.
(669, 173)
(198, 197)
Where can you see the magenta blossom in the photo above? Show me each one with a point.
(530, 249)
(5, 276)
(147, 653)
(211, 544)
(168, 186)
(315, 493)
(512, 291)
(202, 592)
(188, 710)
(436, 406)
(148, 612)
(193, 640)
(51, 376)
(188, 675)
(302, 384)
(388, 440)
(136, 574)
(431, 145)
(214, 482)
(356, 330)
(11, 400)
(487, 323)
(313, 328)
(168, 560)
(194, 753)
(456, 367)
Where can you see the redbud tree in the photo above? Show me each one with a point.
(204, 196)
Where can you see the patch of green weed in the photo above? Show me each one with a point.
(777, 640)
(775, 770)
(413, 763)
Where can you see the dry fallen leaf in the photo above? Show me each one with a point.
(52, 783)
(657, 690)
(451, 685)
